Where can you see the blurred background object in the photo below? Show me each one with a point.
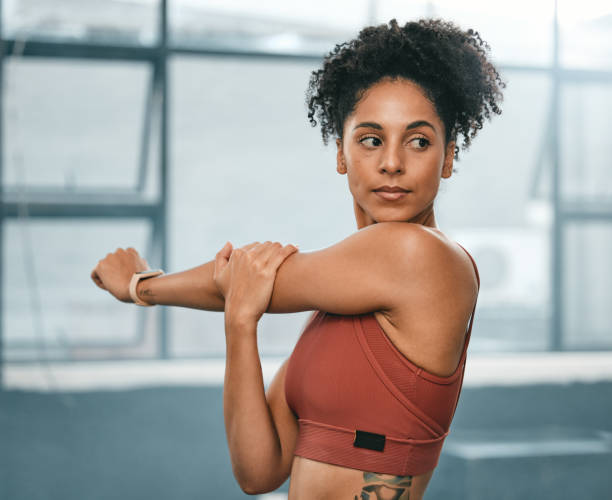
(124, 123)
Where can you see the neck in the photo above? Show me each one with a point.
(425, 218)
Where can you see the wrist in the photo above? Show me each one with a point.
(144, 291)
(240, 337)
(136, 280)
(239, 320)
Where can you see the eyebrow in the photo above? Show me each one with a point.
(415, 124)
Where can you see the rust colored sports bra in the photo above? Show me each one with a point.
(361, 403)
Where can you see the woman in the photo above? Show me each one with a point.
(362, 406)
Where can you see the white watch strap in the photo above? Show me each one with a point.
(136, 277)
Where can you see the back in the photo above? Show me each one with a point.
(361, 403)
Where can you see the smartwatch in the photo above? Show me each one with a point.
(136, 277)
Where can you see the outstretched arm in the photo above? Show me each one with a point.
(194, 288)
(376, 268)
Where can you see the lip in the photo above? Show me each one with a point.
(391, 189)
(385, 195)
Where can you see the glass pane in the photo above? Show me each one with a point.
(494, 205)
(268, 25)
(497, 26)
(52, 308)
(585, 141)
(239, 178)
(116, 22)
(248, 167)
(585, 34)
(73, 125)
(587, 292)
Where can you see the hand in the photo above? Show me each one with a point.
(245, 277)
(114, 272)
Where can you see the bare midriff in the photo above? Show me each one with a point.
(313, 480)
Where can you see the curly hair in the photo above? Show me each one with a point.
(449, 64)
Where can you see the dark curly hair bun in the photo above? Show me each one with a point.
(450, 65)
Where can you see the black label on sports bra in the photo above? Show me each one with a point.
(369, 440)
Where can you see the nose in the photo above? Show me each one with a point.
(391, 161)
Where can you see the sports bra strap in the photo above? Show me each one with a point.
(474, 264)
(469, 329)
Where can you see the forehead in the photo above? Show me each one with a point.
(395, 102)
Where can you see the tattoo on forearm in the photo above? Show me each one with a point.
(146, 293)
(385, 487)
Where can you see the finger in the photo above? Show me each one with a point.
(279, 257)
(220, 264)
(262, 249)
(266, 250)
(250, 246)
(226, 250)
(221, 259)
(96, 279)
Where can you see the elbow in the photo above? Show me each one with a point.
(253, 491)
(253, 488)
(249, 489)
(258, 475)
(259, 484)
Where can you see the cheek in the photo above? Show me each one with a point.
(358, 176)
(357, 183)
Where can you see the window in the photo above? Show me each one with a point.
(126, 127)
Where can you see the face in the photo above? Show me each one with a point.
(394, 137)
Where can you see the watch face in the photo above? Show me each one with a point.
(148, 271)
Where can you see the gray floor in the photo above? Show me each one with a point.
(541, 441)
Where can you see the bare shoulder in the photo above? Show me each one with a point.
(416, 238)
(435, 288)
(377, 268)
(451, 258)
(427, 266)
(413, 240)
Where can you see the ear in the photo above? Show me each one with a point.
(447, 168)
(340, 161)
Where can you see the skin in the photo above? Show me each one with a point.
(420, 286)
(377, 149)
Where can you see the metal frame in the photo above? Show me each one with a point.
(50, 203)
(102, 203)
(556, 333)
(2, 207)
(117, 203)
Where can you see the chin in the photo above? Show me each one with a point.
(391, 218)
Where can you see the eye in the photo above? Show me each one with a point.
(422, 142)
(370, 141)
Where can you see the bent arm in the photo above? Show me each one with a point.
(358, 275)
(260, 460)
